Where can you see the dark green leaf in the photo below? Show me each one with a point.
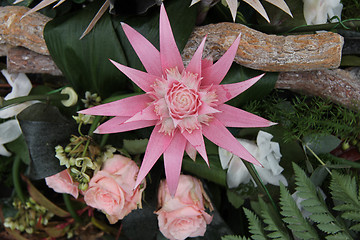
(321, 143)
(238, 73)
(85, 63)
(235, 199)
(43, 128)
(214, 173)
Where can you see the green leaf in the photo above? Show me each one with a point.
(137, 146)
(85, 63)
(233, 237)
(255, 227)
(235, 199)
(273, 221)
(214, 173)
(261, 88)
(20, 147)
(293, 217)
(321, 143)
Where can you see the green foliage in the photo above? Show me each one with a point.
(232, 237)
(301, 228)
(255, 227)
(322, 223)
(344, 190)
(303, 115)
(315, 204)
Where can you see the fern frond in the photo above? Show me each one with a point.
(277, 229)
(314, 204)
(293, 217)
(233, 237)
(255, 227)
(344, 189)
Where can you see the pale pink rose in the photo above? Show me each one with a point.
(184, 214)
(111, 189)
(62, 182)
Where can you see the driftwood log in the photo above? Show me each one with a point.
(303, 60)
(269, 53)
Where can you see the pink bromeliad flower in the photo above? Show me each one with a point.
(183, 103)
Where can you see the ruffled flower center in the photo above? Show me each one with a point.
(178, 101)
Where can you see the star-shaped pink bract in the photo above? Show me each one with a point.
(183, 103)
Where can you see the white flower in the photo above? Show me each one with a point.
(9, 131)
(265, 151)
(319, 11)
(21, 86)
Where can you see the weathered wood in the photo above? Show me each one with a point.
(340, 86)
(22, 60)
(269, 52)
(4, 49)
(26, 32)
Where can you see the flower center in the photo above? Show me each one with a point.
(178, 100)
(182, 102)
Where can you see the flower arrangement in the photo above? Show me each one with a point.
(99, 152)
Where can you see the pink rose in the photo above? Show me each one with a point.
(184, 214)
(62, 182)
(111, 189)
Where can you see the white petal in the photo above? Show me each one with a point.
(237, 173)
(14, 110)
(20, 83)
(275, 147)
(263, 137)
(9, 131)
(194, 2)
(273, 164)
(21, 86)
(4, 152)
(225, 157)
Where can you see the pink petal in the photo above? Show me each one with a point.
(142, 79)
(158, 143)
(206, 109)
(216, 73)
(218, 134)
(124, 107)
(235, 117)
(195, 63)
(190, 150)
(197, 141)
(205, 63)
(226, 92)
(173, 156)
(169, 53)
(145, 114)
(117, 124)
(148, 54)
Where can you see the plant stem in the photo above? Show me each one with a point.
(70, 207)
(18, 100)
(16, 178)
(250, 167)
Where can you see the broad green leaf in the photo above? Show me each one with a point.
(235, 199)
(137, 146)
(238, 73)
(321, 143)
(85, 63)
(199, 168)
